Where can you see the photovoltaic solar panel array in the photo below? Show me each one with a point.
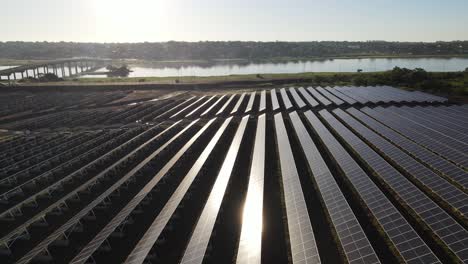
(279, 175)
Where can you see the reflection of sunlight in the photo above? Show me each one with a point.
(251, 234)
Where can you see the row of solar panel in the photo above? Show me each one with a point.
(422, 190)
(223, 105)
(298, 98)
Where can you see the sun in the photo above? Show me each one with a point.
(131, 20)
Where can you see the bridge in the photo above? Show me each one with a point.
(62, 68)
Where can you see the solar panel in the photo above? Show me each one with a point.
(196, 248)
(200, 106)
(143, 247)
(459, 110)
(31, 178)
(330, 96)
(22, 170)
(77, 173)
(296, 98)
(342, 96)
(301, 236)
(431, 131)
(352, 238)
(370, 93)
(445, 191)
(96, 242)
(250, 243)
(225, 104)
(374, 94)
(319, 96)
(440, 114)
(250, 103)
(444, 227)
(262, 106)
(311, 101)
(430, 97)
(432, 160)
(286, 101)
(187, 107)
(213, 105)
(239, 102)
(394, 226)
(274, 100)
(349, 91)
(44, 243)
(442, 125)
(414, 134)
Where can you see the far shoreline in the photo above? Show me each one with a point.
(130, 61)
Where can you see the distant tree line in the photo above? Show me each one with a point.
(448, 83)
(209, 50)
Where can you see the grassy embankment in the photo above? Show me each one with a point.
(447, 83)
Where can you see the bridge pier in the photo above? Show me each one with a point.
(73, 66)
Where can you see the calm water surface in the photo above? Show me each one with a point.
(336, 65)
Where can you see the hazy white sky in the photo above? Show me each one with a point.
(261, 20)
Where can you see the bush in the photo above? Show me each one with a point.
(360, 81)
(50, 77)
(434, 85)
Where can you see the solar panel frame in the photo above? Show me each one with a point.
(310, 100)
(387, 216)
(250, 242)
(23, 226)
(301, 235)
(414, 133)
(197, 246)
(149, 238)
(87, 251)
(351, 236)
(44, 243)
(274, 100)
(455, 198)
(440, 124)
(187, 107)
(226, 104)
(349, 92)
(432, 160)
(442, 112)
(299, 102)
(174, 108)
(213, 105)
(262, 106)
(250, 102)
(239, 102)
(320, 98)
(438, 115)
(330, 96)
(287, 103)
(431, 130)
(441, 224)
(200, 106)
(340, 95)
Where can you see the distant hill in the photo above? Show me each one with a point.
(227, 50)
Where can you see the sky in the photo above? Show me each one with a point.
(247, 20)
